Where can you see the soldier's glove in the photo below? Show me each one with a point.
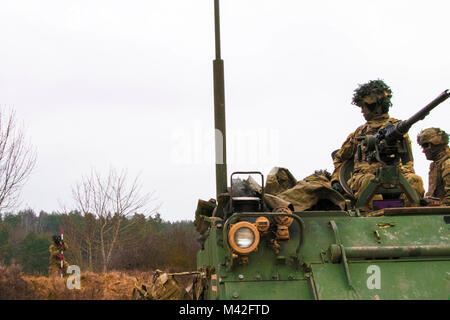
(337, 186)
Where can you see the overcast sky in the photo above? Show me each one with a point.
(128, 84)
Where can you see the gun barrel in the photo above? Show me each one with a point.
(405, 125)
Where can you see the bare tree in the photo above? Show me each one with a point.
(17, 160)
(110, 199)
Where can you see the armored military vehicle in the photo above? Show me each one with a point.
(251, 250)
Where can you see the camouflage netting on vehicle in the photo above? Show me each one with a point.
(163, 287)
(279, 180)
(204, 211)
(281, 190)
(251, 188)
(312, 193)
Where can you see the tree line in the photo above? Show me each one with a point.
(138, 243)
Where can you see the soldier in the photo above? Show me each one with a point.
(55, 256)
(374, 99)
(434, 143)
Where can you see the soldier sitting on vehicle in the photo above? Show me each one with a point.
(374, 99)
(434, 143)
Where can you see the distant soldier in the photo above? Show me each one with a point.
(374, 99)
(434, 143)
(55, 249)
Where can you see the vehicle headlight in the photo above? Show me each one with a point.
(243, 237)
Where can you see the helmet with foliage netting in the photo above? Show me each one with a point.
(373, 94)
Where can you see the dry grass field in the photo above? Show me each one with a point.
(14, 285)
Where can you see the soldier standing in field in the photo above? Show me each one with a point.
(374, 99)
(434, 143)
(55, 249)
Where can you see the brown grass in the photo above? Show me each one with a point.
(14, 285)
(114, 285)
(94, 286)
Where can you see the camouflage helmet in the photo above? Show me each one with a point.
(374, 92)
(434, 136)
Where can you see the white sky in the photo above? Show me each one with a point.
(128, 84)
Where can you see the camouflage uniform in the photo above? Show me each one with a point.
(363, 172)
(439, 174)
(55, 259)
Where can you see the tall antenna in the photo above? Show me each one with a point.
(219, 111)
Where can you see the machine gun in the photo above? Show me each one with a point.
(388, 146)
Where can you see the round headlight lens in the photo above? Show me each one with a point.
(244, 237)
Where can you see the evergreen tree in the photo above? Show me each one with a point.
(34, 254)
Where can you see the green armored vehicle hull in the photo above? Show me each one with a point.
(399, 254)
